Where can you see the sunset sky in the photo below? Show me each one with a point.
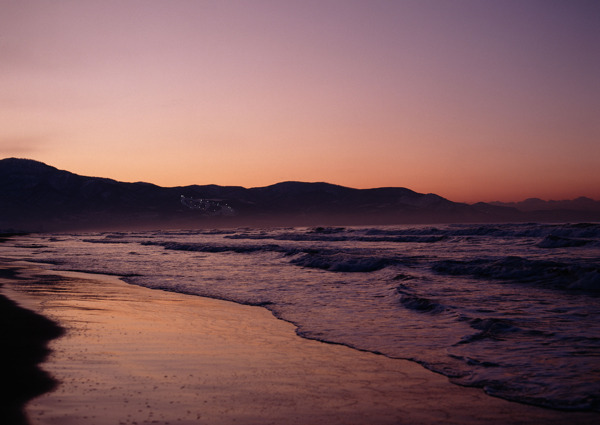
(478, 100)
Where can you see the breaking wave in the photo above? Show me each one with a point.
(522, 270)
(553, 241)
(420, 304)
(343, 262)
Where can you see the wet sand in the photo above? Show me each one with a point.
(132, 355)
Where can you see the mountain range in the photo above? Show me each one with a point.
(38, 197)
(536, 204)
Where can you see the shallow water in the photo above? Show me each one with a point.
(513, 308)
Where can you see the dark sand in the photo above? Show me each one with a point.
(132, 355)
(23, 336)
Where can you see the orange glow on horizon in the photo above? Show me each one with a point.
(474, 101)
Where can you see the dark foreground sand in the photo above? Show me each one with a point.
(131, 355)
(23, 345)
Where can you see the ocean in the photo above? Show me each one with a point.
(513, 309)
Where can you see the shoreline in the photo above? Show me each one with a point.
(133, 354)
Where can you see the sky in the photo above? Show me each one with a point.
(474, 100)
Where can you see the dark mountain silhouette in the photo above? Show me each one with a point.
(38, 197)
(536, 204)
(579, 209)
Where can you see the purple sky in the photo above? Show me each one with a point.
(473, 100)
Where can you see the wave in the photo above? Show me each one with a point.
(421, 304)
(343, 261)
(326, 237)
(489, 328)
(214, 248)
(521, 270)
(552, 241)
(528, 230)
(552, 235)
(333, 260)
(106, 241)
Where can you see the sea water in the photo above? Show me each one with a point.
(513, 308)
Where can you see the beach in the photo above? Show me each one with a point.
(132, 355)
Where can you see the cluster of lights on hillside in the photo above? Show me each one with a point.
(208, 206)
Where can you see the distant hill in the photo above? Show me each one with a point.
(536, 204)
(580, 209)
(37, 197)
